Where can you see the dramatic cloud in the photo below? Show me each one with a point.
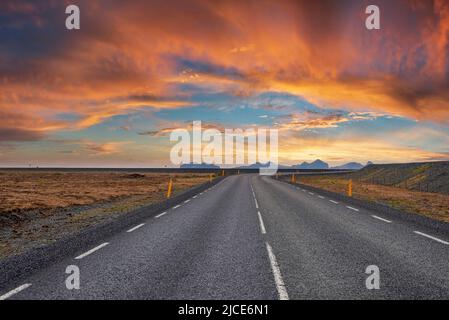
(315, 120)
(19, 135)
(139, 55)
(186, 126)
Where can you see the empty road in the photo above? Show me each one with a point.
(253, 237)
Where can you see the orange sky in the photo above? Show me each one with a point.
(63, 87)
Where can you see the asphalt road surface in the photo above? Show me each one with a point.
(253, 237)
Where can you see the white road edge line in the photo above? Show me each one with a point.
(381, 219)
(92, 251)
(257, 205)
(176, 207)
(262, 226)
(136, 227)
(280, 286)
(188, 200)
(194, 197)
(431, 237)
(15, 291)
(311, 193)
(161, 214)
(333, 201)
(321, 197)
(352, 208)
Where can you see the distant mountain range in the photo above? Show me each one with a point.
(203, 165)
(352, 166)
(259, 165)
(315, 165)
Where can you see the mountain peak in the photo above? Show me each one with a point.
(317, 164)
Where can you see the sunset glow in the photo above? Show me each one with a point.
(107, 94)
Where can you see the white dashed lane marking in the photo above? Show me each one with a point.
(92, 251)
(262, 226)
(160, 215)
(280, 286)
(15, 291)
(136, 227)
(431, 237)
(381, 219)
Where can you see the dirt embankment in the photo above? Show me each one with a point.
(433, 205)
(427, 176)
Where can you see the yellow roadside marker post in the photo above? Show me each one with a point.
(350, 188)
(222, 173)
(210, 177)
(170, 186)
(293, 178)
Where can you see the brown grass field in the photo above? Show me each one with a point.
(433, 205)
(39, 207)
(21, 191)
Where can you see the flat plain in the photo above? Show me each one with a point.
(39, 207)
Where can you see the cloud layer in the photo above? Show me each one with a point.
(153, 55)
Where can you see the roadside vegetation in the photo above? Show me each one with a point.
(40, 207)
(433, 205)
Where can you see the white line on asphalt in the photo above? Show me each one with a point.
(311, 193)
(381, 219)
(352, 208)
(187, 201)
(303, 190)
(176, 207)
(431, 237)
(262, 226)
(194, 197)
(280, 286)
(333, 201)
(257, 205)
(15, 291)
(160, 215)
(92, 251)
(136, 227)
(321, 197)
